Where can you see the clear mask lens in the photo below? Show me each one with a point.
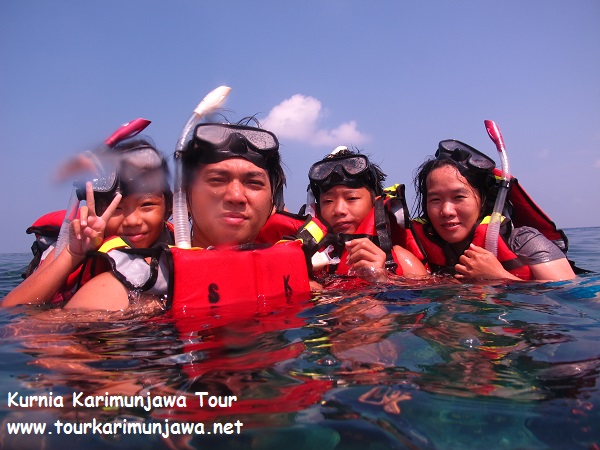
(144, 158)
(352, 166)
(219, 135)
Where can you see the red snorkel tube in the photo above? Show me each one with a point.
(126, 131)
(493, 229)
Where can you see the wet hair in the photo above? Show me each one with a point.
(193, 155)
(134, 175)
(372, 179)
(482, 183)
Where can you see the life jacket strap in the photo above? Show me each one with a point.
(383, 230)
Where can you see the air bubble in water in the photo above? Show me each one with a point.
(327, 361)
(470, 342)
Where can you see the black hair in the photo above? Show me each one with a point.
(192, 160)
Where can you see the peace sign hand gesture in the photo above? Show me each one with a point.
(87, 232)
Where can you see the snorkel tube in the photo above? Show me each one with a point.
(126, 131)
(181, 223)
(493, 229)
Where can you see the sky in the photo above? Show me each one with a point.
(391, 78)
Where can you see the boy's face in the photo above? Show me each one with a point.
(344, 208)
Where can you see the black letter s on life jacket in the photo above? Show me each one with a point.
(213, 293)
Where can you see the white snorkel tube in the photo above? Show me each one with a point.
(181, 223)
(493, 229)
(105, 176)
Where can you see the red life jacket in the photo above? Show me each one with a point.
(437, 260)
(258, 277)
(390, 223)
(375, 226)
(211, 288)
(525, 212)
(310, 230)
(521, 210)
(140, 273)
(387, 223)
(284, 224)
(233, 279)
(46, 229)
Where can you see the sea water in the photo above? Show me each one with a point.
(401, 365)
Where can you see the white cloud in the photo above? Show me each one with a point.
(597, 164)
(297, 118)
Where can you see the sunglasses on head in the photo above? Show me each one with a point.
(464, 155)
(352, 166)
(221, 135)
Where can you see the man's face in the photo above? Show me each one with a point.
(230, 201)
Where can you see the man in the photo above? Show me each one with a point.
(234, 182)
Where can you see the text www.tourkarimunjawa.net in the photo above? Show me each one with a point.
(125, 427)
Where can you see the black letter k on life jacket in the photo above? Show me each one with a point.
(286, 286)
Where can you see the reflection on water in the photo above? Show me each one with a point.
(433, 365)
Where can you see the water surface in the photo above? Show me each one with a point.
(391, 366)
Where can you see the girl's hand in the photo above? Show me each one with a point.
(477, 262)
(87, 232)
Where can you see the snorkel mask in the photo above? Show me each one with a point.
(214, 142)
(128, 168)
(352, 170)
(476, 167)
(466, 157)
(218, 142)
